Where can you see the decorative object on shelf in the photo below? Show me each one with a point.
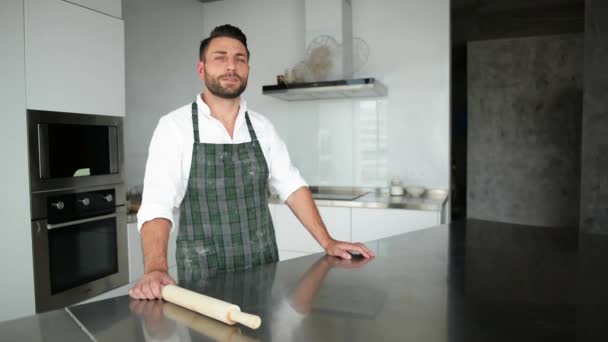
(396, 188)
(322, 56)
(324, 73)
(436, 194)
(134, 198)
(415, 191)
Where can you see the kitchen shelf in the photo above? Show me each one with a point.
(342, 89)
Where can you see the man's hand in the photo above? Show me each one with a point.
(341, 249)
(150, 285)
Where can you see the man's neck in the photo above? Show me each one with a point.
(224, 110)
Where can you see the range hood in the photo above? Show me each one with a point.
(329, 18)
(360, 87)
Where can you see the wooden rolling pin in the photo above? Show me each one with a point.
(209, 306)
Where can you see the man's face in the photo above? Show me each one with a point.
(225, 68)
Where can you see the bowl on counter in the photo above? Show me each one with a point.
(436, 193)
(415, 191)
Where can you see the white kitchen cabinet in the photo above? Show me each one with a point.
(16, 259)
(273, 209)
(136, 258)
(373, 224)
(172, 246)
(75, 59)
(109, 7)
(292, 236)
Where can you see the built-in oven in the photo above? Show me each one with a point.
(79, 244)
(78, 206)
(70, 150)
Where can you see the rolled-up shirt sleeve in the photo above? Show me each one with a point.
(163, 175)
(284, 177)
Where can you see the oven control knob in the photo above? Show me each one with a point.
(59, 205)
(108, 198)
(85, 201)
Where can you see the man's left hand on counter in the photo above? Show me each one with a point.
(341, 249)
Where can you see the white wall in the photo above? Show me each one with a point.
(17, 284)
(162, 39)
(275, 36)
(409, 45)
(410, 52)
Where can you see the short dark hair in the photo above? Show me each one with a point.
(226, 30)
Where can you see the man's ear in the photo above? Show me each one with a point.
(200, 70)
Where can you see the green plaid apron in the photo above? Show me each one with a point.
(225, 223)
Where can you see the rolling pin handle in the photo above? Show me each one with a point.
(248, 320)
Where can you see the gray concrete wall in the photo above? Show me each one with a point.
(524, 127)
(594, 180)
(17, 285)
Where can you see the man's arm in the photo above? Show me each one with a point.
(303, 206)
(154, 238)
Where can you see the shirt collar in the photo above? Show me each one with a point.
(205, 111)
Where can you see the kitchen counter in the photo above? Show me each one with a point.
(368, 198)
(467, 281)
(433, 200)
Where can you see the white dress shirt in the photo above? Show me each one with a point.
(170, 156)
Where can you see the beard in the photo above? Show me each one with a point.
(214, 86)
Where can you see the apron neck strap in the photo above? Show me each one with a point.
(250, 128)
(195, 121)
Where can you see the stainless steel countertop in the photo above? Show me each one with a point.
(467, 281)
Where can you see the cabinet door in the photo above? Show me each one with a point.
(136, 258)
(109, 7)
(292, 236)
(273, 208)
(75, 59)
(373, 224)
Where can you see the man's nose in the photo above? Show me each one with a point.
(231, 65)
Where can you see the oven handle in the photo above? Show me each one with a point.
(75, 222)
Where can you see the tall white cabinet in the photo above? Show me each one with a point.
(55, 56)
(17, 285)
(75, 59)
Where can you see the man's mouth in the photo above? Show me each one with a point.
(231, 79)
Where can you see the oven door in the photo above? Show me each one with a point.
(77, 260)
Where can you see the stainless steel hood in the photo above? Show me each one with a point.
(339, 89)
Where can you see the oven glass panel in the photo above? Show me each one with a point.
(82, 253)
(80, 150)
